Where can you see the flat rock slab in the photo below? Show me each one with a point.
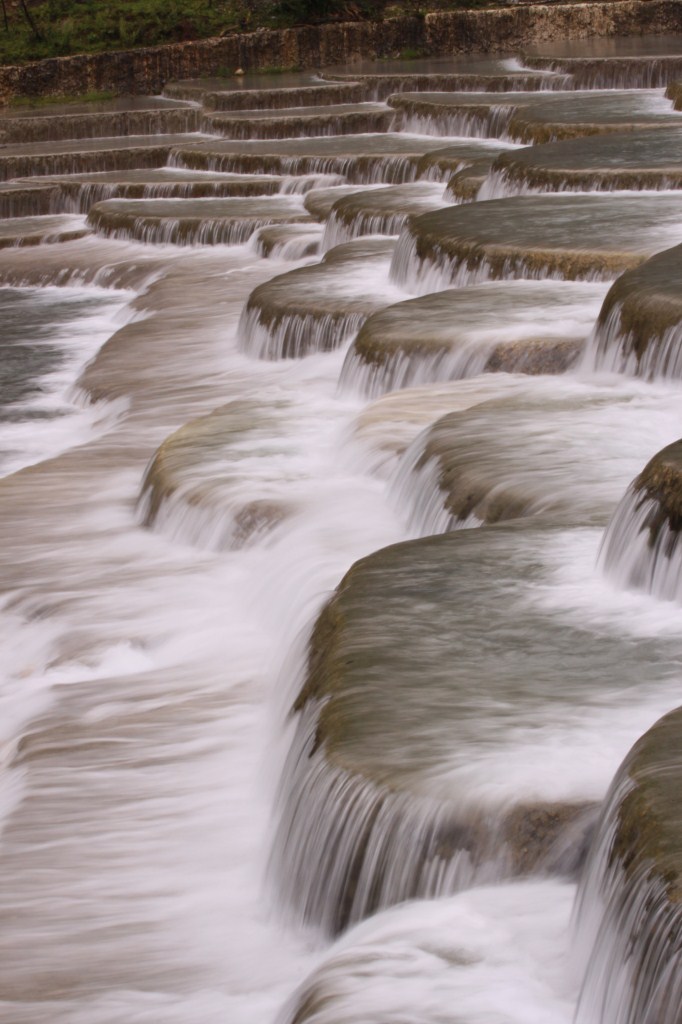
(380, 211)
(649, 159)
(300, 122)
(518, 326)
(554, 449)
(40, 230)
(388, 157)
(195, 488)
(571, 236)
(315, 308)
(438, 683)
(434, 656)
(533, 118)
(193, 221)
(620, 62)
(463, 72)
(86, 155)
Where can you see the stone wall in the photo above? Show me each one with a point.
(147, 70)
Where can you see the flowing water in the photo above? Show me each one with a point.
(196, 445)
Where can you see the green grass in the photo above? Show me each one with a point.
(88, 26)
(62, 27)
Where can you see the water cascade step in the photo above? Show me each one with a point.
(639, 329)
(427, 674)
(288, 241)
(531, 118)
(300, 122)
(384, 429)
(22, 198)
(142, 115)
(195, 489)
(458, 333)
(181, 493)
(86, 260)
(498, 461)
(641, 548)
(365, 159)
(320, 201)
(591, 236)
(381, 211)
(316, 308)
(457, 155)
(78, 192)
(474, 949)
(629, 916)
(460, 73)
(193, 221)
(88, 155)
(263, 91)
(648, 62)
(637, 160)
(22, 231)
(465, 184)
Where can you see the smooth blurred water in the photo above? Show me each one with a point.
(147, 672)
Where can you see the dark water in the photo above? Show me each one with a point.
(33, 343)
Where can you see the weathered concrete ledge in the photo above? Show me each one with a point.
(147, 70)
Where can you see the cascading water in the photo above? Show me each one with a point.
(191, 463)
(641, 548)
(628, 915)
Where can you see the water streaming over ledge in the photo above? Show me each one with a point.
(191, 460)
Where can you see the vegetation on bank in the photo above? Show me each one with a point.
(33, 29)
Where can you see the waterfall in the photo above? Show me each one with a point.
(490, 123)
(641, 546)
(294, 335)
(627, 912)
(314, 674)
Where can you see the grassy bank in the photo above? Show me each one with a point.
(34, 29)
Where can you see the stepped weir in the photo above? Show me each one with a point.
(341, 498)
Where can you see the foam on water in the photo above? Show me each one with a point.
(496, 954)
(51, 417)
(159, 662)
